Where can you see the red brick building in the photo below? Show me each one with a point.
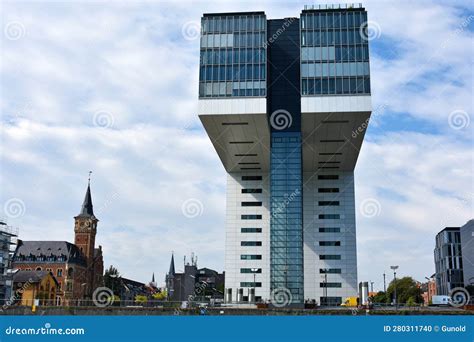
(77, 267)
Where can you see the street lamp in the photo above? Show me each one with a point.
(254, 271)
(325, 270)
(394, 268)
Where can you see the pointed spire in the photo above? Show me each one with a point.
(87, 208)
(153, 278)
(172, 271)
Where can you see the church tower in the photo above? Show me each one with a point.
(85, 227)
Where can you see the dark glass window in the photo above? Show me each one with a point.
(329, 257)
(251, 204)
(328, 203)
(251, 217)
(329, 243)
(329, 230)
(250, 257)
(250, 243)
(249, 270)
(250, 230)
(250, 284)
(329, 216)
(251, 191)
(328, 190)
(251, 178)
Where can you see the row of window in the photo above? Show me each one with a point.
(330, 284)
(251, 217)
(250, 230)
(336, 19)
(250, 270)
(329, 216)
(353, 85)
(232, 56)
(329, 257)
(334, 69)
(226, 40)
(251, 191)
(251, 204)
(329, 230)
(251, 243)
(328, 177)
(251, 178)
(329, 243)
(233, 23)
(339, 53)
(328, 203)
(250, 284)
(234, 72)
(216, 89)
(330, 37)
(330, 270)
(324, 190)
(250, 257)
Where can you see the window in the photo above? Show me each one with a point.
(249, 270)
(328, 203)
(329, 216)
(329, 230)
(251, 204)
(250, 243)
(250, 230)
(329, 243)
(329, 257)
(70, 272)
(38, 268)
(325, 177)
(329, 270)
(59, 272)
(251, 217)
(250, 284)
(251, 191)
(250, 257)
(326, 190)
(330, 285)
(251, 178)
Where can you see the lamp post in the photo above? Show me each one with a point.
(384, 286)
(394, 268)
(254, 271)
(326, 286)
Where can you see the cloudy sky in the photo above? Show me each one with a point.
(112, 87)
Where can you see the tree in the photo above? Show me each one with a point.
(406, 287)
(141, 299)
(380, 297)
(159, 295)
(112, 279)
(411, 302)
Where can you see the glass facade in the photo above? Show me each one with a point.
(233, 57)
(286, 240)
(334, 53)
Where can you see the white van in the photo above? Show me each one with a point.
(440, 300)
